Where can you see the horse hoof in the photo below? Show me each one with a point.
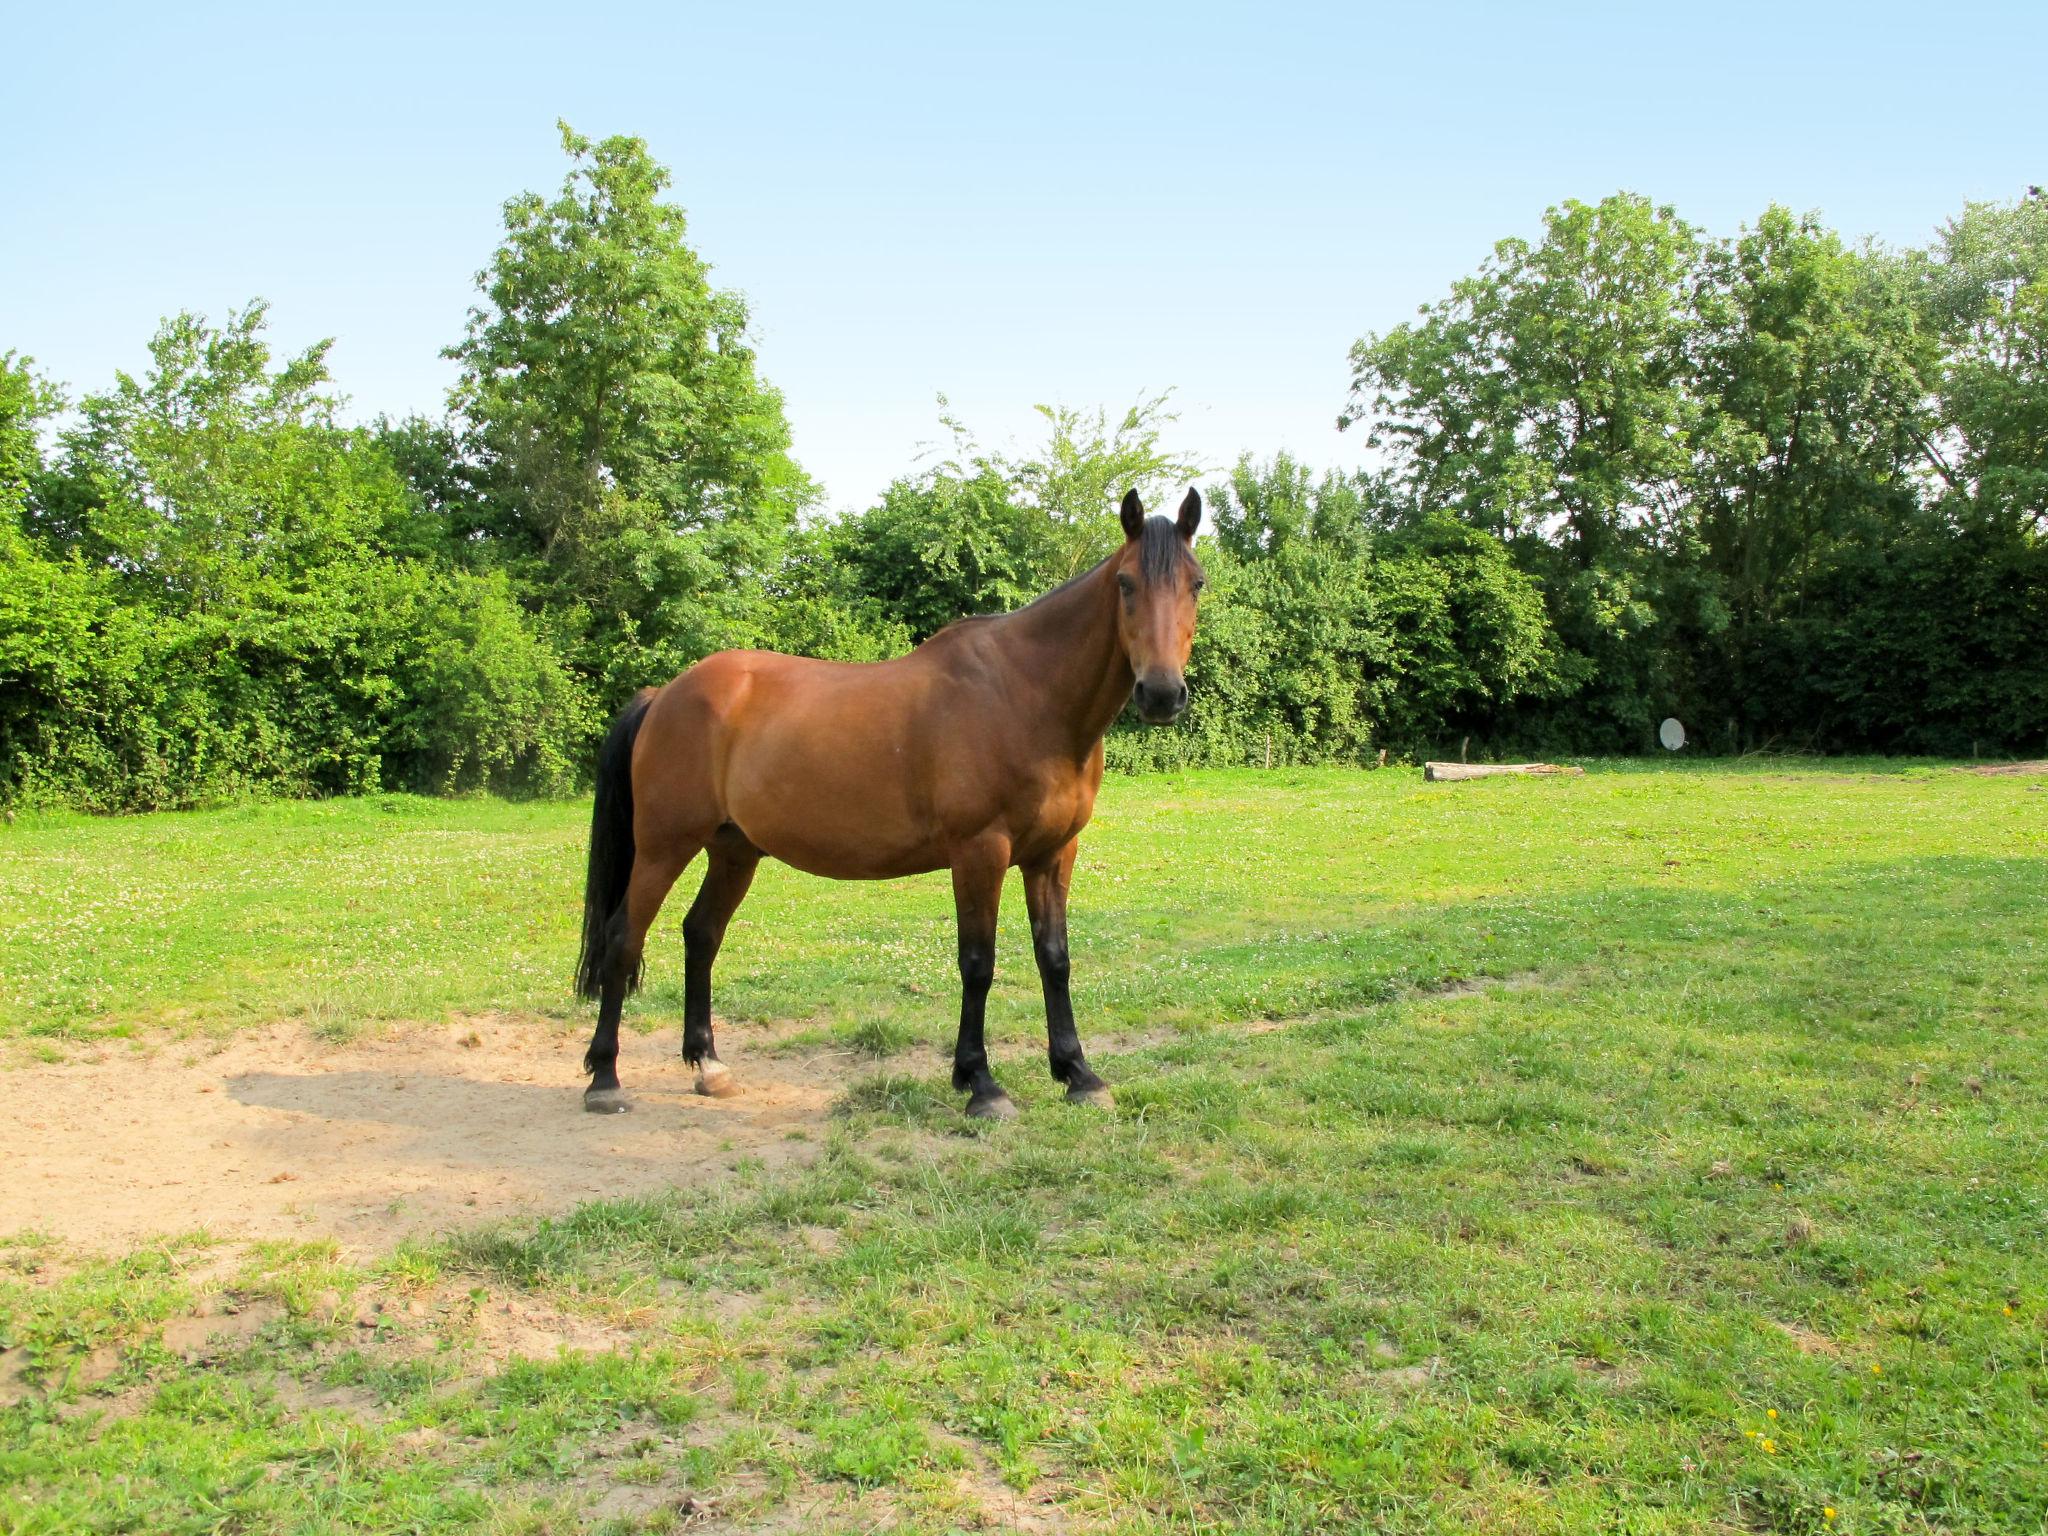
(1099, 1096)
(715, 1080)
(995, 1106)
(606, 1101)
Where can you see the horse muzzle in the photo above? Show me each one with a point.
(1160, 699)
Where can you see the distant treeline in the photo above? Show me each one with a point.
(1791, 491)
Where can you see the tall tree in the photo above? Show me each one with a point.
(1547, 394)
(629, 460)
(1986, 285)
(1813, 371)
(1546, 401)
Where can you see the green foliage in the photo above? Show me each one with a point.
(1325, 637)
(26, 401)
(1789, 491)
(216, 593)
(983, 531)
(941, 546)
(1078, 477)
(628, 464)
(1792, 491)
(1986, 293)
(1469, 634)
(1546, 395)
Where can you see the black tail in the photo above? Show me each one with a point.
(611, 846)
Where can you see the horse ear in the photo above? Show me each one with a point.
(1191, 513)
(1133, 514)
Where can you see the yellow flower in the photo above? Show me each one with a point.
(1770, 1413)
(2008, 1311)
(1770, 1446)
(1877, 1370)
(1827, 1511)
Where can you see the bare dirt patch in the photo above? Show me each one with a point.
(2011, 770)
(1476, 986)
(1806, 1340)
(275, 1134)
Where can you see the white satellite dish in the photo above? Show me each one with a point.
(1672, 734)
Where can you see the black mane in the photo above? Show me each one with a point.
(1160, 549)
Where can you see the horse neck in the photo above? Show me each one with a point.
(1066, 649)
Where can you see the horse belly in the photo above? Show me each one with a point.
(832, 803)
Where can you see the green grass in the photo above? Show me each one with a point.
(1611, 1128)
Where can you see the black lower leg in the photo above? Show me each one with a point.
(1045, 888)
(1063, 1041)
(698, 1044)
(733, 860)
(601, 1059)
(970, 1050)
(977, 893)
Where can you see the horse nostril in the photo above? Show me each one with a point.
(1181, 697)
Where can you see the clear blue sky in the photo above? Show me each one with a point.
(1008, 204)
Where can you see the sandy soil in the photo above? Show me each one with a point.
(275, 1134)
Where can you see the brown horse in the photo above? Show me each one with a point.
(979, 750)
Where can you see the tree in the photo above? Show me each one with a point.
(1547, 394)
(1986, 294)
(629, 463)
(212, 473)
(27, 400)
(1264, 507)
(1330, 631)
(1546, 402)
(1812, 372)
(223, 590)
(939, 547)
(1079, 475)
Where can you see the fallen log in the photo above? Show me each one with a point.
(1441, 773)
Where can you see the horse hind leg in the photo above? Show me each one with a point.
(655, 870)
(732, 862)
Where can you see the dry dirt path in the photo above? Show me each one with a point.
(275, 1134)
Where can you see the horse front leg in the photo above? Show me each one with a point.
(1045, 894)
(978, 870)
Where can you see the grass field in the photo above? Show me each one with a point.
(1659, 1151)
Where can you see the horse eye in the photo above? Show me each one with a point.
(1130, 587)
